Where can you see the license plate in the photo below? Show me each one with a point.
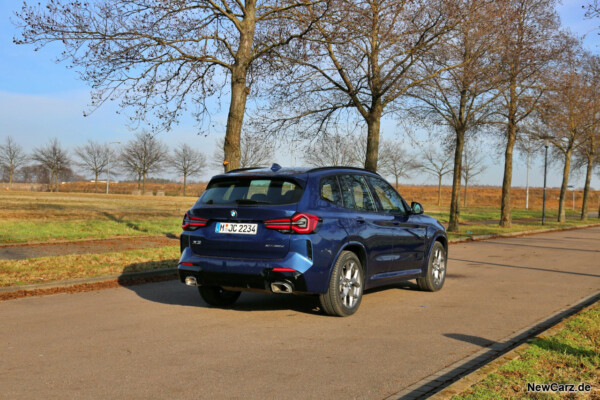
(240, 229)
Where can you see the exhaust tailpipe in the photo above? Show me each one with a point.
(191, 281)
(281, 287)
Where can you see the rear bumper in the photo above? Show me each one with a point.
(245, 274)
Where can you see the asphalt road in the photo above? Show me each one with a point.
(160, 341)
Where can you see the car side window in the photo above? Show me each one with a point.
(356, 193)
(389, 199)
(330, 190)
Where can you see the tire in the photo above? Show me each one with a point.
(217, 296)
(436, 269)
(345, 290)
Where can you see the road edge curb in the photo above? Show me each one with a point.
(87, 284)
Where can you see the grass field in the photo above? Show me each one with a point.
(33, 217)
(45, 217)
(41, 217)
(571, 355)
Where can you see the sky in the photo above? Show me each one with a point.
(41, 99)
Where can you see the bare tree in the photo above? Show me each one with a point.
(472, 165)
(462, 98)
(12, 157)
(334, 150)
(394, 160)
(160, 55)
(255, 151)
(29, 174)
(593, 9)
(357, 63)
(437, 163)
(589, 150)
(54, 159)
(94, 157)
(142, 156)
(187, 162)
(528, 46)
(566, 113)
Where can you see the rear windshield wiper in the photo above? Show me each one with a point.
(248, 201)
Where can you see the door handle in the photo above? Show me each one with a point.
(360, 220)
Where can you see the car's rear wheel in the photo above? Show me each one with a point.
(217, 296)
(436, 269)
(345, 286)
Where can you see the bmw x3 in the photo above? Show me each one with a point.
(331, 232)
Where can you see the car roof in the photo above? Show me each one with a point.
(277, 170)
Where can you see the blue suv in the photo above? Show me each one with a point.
(331, 232)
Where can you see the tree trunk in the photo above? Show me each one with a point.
(143, 183)
(10, 177)
(184, 182)
(439, 190)
(505, 208)
(396, 182)
(586, 188)
(455, 200)
(373, 126)
(527, 184)
(563, 187)
(239, 90)
(235, 119)
(466, 186)
(96, 183)
(139, 181)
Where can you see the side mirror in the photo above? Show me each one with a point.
(416, 208)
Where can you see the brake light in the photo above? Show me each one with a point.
(299, 223)
(284, 270)
(191, 223)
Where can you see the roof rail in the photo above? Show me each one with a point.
(340, 167)
(243, 169)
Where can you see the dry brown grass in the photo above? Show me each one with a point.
(477, 196)
(486, 196)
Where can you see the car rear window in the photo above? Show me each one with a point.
(263, 191)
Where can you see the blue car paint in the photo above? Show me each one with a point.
(389, 259)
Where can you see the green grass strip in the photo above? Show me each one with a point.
(19, 231)
(569, 356)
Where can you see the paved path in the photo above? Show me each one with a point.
(26, 250)
(160, 341)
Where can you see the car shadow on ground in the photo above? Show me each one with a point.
(167, 289)
(173, 292)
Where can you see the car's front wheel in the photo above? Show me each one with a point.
(217, 296)
(345, 286)
(436, 269)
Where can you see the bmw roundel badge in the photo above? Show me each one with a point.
(233, 213)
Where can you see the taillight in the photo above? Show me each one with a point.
(299, 223)
(191, 223)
